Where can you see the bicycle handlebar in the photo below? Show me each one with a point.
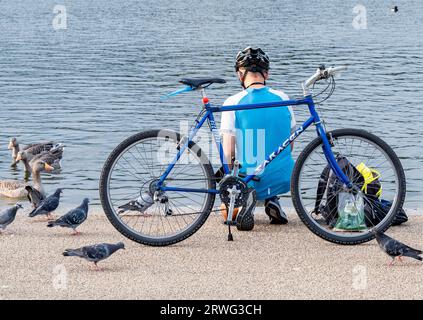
(322, 73)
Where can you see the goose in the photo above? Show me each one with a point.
(30, 150)
(17, 189)
(52, 157)
(36, 192)
(12, 189)
(14, 146)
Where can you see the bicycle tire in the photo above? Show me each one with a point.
(302, 212)
(119, 225)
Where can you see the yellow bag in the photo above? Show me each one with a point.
(371, 177)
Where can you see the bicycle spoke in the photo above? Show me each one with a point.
(356, 150)
(135, 171)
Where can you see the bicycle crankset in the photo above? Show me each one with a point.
(233, 185)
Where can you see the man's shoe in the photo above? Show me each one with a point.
(245, 218)
(274, 211)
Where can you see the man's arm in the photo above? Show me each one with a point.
(227, 131)
(228, 144)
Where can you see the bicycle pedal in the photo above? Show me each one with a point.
(230, 223)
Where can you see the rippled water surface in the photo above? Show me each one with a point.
(101, 79)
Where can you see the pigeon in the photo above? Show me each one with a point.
(48, 205)
(394, 248)
(95, 253)
(73, 218)
(7, 216)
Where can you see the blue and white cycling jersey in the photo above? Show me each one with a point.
(258, 133)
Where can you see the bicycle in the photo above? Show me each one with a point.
(170, 197)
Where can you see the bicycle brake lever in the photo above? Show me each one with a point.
(324, 73)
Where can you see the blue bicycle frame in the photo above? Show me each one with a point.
(207, 115)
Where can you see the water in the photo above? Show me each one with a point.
(100, 80)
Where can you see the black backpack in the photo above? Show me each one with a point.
(375, 209)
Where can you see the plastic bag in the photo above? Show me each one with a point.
(350, 212)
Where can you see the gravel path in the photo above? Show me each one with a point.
(271, 262)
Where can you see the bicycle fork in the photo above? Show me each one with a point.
(327, 150)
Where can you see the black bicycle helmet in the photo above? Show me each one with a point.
(254, 60)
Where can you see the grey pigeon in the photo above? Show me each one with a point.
(95, 253)
(48, 205)
(396, 249)
(7, 216)
(73, 218)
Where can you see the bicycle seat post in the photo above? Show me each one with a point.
(203, 92)
(204, 96)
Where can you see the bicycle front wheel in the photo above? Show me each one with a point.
(130, 198)
(359, 147)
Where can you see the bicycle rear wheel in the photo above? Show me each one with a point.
(358, 146)
(130, 175)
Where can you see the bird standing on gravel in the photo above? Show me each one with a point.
(8, 216)
(48, 205)
(73, 218)
(95, 253)
(396, 249)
